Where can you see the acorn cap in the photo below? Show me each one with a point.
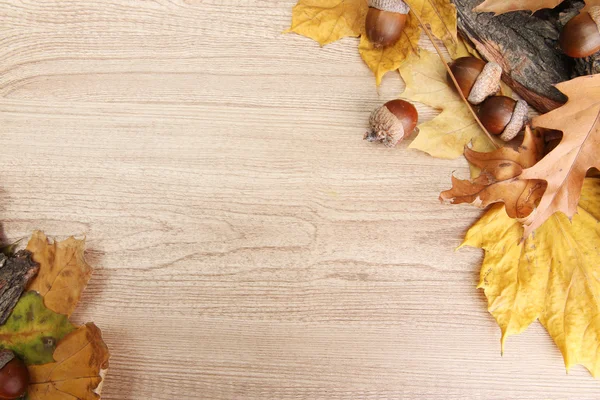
(486, 84)
(519, 116)
(397, 6)
(385, 127)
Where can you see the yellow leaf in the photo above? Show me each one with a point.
(63, 272)
(81, 360)
(383, 60)
(326, 21)
(504, 6)
(552, 276)
(447, 134)
(440, 15)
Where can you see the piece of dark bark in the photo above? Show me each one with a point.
(15, 273)
(526, 46)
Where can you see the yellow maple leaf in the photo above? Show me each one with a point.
(440, 15)
(326, 21)
(446, 135)
(81, 360)
(383, 60)
(329, 20)
(551, 276)
(63, 272)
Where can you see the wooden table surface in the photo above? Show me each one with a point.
(247, 243)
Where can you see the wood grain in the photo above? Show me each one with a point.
(247, 243)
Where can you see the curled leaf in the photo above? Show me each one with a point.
(81, 360)
(32, 331)
(63, 273)
(504, 6)
(498, 180)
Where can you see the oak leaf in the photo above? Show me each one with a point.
(498, 180)
(81, 360)
(565, 167)
(32, 331)
(551, 276)
(504, 6)
(63, 273)
(446, 135)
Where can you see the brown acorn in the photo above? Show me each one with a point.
(392, 122)
(503, 116)
(385, 21)
(580, 37)
(14, 376)
(476, 78)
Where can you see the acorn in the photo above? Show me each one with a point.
(580, 37)
(385, 21)
(14, 376)
(392, 122)
(503, 116)
(476, 78)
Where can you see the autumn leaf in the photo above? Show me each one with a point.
(32, 331)
(329, 20)
(565, 167)
(551, 276)
(326, 21)
(383, 60)
(63, 271)
(504, 6)
(498, 180)
(446, 135)
(81, 360)
(440, 15)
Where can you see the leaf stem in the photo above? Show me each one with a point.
(462, 96)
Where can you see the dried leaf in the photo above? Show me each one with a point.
(81, 360)
(498, 180)
(384, 60)
(565, 167)
(326, 21)
(32, 331)
(63, 271)
(440, 15)
(504, 6)
(552, 275)
(447, 134)
(329, 20)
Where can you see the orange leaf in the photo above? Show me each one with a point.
(81, 360)
(565, 167)
(498, 182)
(63, 272)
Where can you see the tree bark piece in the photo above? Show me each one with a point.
(15, 272)
(525, 45)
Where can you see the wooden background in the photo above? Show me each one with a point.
(247, 243)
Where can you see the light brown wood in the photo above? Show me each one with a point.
(247, 243)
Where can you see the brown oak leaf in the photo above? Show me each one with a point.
(565, 167)
(81, 360)
(499, 181)
(63, 272)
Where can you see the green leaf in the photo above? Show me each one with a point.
(32, 331)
